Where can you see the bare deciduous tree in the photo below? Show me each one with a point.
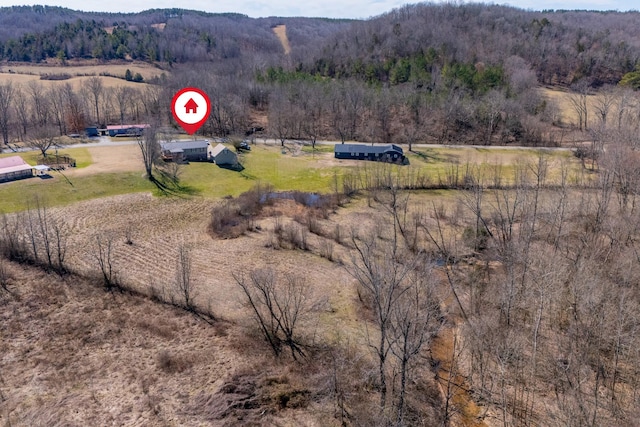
(415, 320)
(382, 279)
(39, 102)
(123, 96)
(578, 100)
(42, 139)
(106, 262)
(6, 103)
(56, 98)
(185, 285)
(96, 89)
(22, 112)
(278, 305)
(603, 102)
(150, 149)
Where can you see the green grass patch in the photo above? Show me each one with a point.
(320, 148)
(56, 191)
(265, 165)
(82, 156)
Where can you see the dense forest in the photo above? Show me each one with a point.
(562, 47)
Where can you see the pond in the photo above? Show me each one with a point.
(306, 199)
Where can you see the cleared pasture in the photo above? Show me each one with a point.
(117, 69)
(21, 75)
(566, 109)
(77, 83)
(119, 170)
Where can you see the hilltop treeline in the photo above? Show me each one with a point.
(413, 42)
(167, 35)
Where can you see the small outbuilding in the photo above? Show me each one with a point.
(91, 131)
(14, 167)
(41, 170)
(223, 156)
(185, 151)
(382, 153)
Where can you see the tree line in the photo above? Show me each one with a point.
(312, 109)
(395, 78)
(405, 44)
(560, 46)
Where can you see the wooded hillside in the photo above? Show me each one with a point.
(37, 33)
(462, 74)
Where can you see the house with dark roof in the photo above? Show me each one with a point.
(185, 151)
(381, 153)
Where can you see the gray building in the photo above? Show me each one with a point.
(223, 156)
(185, 151)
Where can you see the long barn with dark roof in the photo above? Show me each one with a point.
(382, 153)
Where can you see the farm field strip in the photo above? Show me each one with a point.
(159, 226)
(76, 70)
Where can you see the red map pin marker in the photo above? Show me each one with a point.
(191, 108)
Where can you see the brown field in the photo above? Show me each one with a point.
(96, 357)
(84, 68)
(124, 158)
(76, 82)
(159, 226)
(21, 74)
(567, 113)
(80, 356)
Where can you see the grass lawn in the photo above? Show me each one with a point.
(439, 163)
(267, 165)
(14, 196)
(82, 156)
(262, 165)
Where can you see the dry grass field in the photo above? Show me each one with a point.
(84, 68)
(158, 226)
(124, 158)
(21, 74)
(75, 355)
(95, 357)
(566, 110)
